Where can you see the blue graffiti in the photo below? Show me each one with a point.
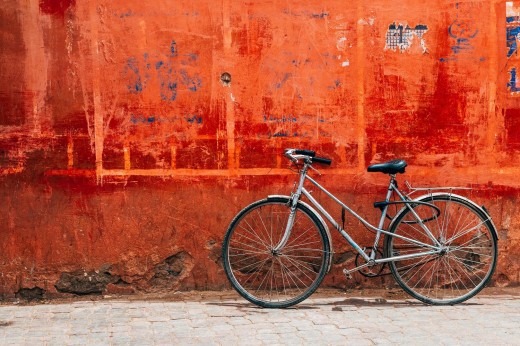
(286, 134)
(141, 119)
(126, 14)
(171, 94)
(169, 79)
(173, 48)
(337, 84)
(511, 39)
(168, 84)
(282, 82)
(194, 119)
(193, 83)
(135, 85)
(320, 15)
(281, 119)
(463, 33)
(192, 56)
(511, 85)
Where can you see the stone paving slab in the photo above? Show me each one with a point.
(340, 320)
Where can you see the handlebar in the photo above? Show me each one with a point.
(307, 155)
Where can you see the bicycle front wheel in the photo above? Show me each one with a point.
(269, 278)
(467, 256)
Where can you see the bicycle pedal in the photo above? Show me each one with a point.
(347, 274)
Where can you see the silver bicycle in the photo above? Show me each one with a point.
(441, 247)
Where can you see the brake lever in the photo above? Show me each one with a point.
(314, 169)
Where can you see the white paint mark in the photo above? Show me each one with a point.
(341, 43)
(511, 11)
(345, 63)
(364, 21)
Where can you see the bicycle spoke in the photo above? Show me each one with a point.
(252, 265)
(465, 273)
(302, 264)
(248, 245)
(291, 274)
(457, 236)
(265, 227)
(251, 231)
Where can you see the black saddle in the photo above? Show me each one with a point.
(390, 167)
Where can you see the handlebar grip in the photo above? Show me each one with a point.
(305, 152)
(322, 160)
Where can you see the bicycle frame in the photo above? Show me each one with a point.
(370, 259)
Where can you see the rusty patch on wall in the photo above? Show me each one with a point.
(34, 293)
(81, 282)
(171, 271)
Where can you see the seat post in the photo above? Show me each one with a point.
(393, 182)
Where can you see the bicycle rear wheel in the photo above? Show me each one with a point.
(469, 250)
(268, 278)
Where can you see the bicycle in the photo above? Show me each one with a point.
(441, 247)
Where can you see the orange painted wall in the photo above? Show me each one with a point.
(124, 154)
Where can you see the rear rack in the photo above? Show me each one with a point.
(440, 188)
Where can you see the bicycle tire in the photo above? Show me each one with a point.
(467, 262)
(275, 280)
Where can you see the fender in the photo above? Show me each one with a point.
(322, 221)
(481, 209)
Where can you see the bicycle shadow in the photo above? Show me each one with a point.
(253, 308)
(337, 305)
(382, 302)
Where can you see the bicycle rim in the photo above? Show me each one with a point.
(270, 279)
(465, 265)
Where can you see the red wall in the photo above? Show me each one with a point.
(124, 154)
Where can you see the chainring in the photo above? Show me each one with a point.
(370, 271)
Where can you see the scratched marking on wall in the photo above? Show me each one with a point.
(291, 126)
(163, 70)
(312, 15)
(401, 36)
(157, 119)
(512, 39)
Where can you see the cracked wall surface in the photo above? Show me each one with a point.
(132, 132)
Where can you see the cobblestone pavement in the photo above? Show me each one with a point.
(335, 320)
